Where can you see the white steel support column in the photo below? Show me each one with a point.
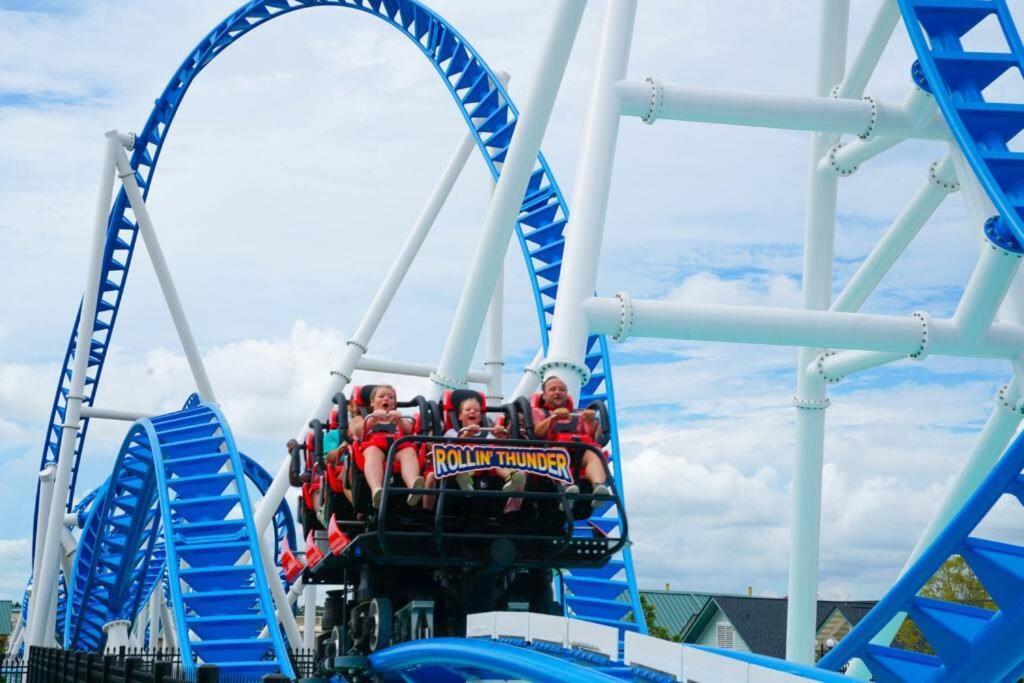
(396, 367)
(357, 346)
(941, 181)
(281, 604)
(167, 619)
(111, 414)
(652, 100)
(309, 617)
(495, 336)
(45, 582)
(985, 291)
(585, 231)
(878, 36)
(530, 380)
(293, 596)
(46, 477)
(154, 617)
(811, 400)
(497, 230)
(163, 275)
(905, 335)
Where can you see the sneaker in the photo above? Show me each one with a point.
(375, 498)
(570, 489)
(465, 481)
(414, 498)
(600, 490)
(515, 481)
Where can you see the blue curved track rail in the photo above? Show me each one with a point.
(81, 627)
(971, 643)
(983, 126)
(180, 474)
(608, 596)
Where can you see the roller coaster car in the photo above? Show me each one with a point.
(413, 571)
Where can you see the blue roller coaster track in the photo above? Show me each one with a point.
(82, 618)
(182, 473)
(179, 478)
(608, 596)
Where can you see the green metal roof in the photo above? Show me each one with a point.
(6, 609)
(673, 609)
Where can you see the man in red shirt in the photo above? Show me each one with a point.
(553, 421)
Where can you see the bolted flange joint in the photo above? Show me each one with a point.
(348, 380)
(1001, 237)
(808, 404)
(938, 181)
(869, 132)
(917, 75)
(926, 323)
(1003, 399)
(361, 347)
(656, 101)
(581, 371)
(448, 382)
(819, 364)
(833, 162)
(626, 316)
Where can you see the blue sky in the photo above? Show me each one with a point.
(303, 154)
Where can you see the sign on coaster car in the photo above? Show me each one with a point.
(452, 459)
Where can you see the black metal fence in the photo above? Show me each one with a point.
(54, 665)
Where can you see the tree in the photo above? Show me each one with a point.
(954, 582)
(651, 617)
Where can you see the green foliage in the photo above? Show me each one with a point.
(651, 617)
(954, 582)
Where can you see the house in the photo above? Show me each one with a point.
(6, 622)
(758, 625)
(673, 610)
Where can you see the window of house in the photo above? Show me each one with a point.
(725, 635)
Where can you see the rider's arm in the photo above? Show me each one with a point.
(356, 426)
(541, 424)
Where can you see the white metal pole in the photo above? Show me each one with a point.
(117, 635)
(167, 619)
(293, 596)
(985, 291)
(46, 580)
(941, 181)
(508, 196)
(495, 336)
(154, 618)
(357, 346)
(46, 477)
(111, 414)
(163, 276)
(652, 100)
(878, 36)
(906, 335)
(811, 400)
(530, 380)
(309, 617)
(585, 231)
(395, 367)
(284, 612)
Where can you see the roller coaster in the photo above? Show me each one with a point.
(192, 542)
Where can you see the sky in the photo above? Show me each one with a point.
(302, 155)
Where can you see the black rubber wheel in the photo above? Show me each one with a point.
(378, 624)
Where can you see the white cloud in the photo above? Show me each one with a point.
(756, 290)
